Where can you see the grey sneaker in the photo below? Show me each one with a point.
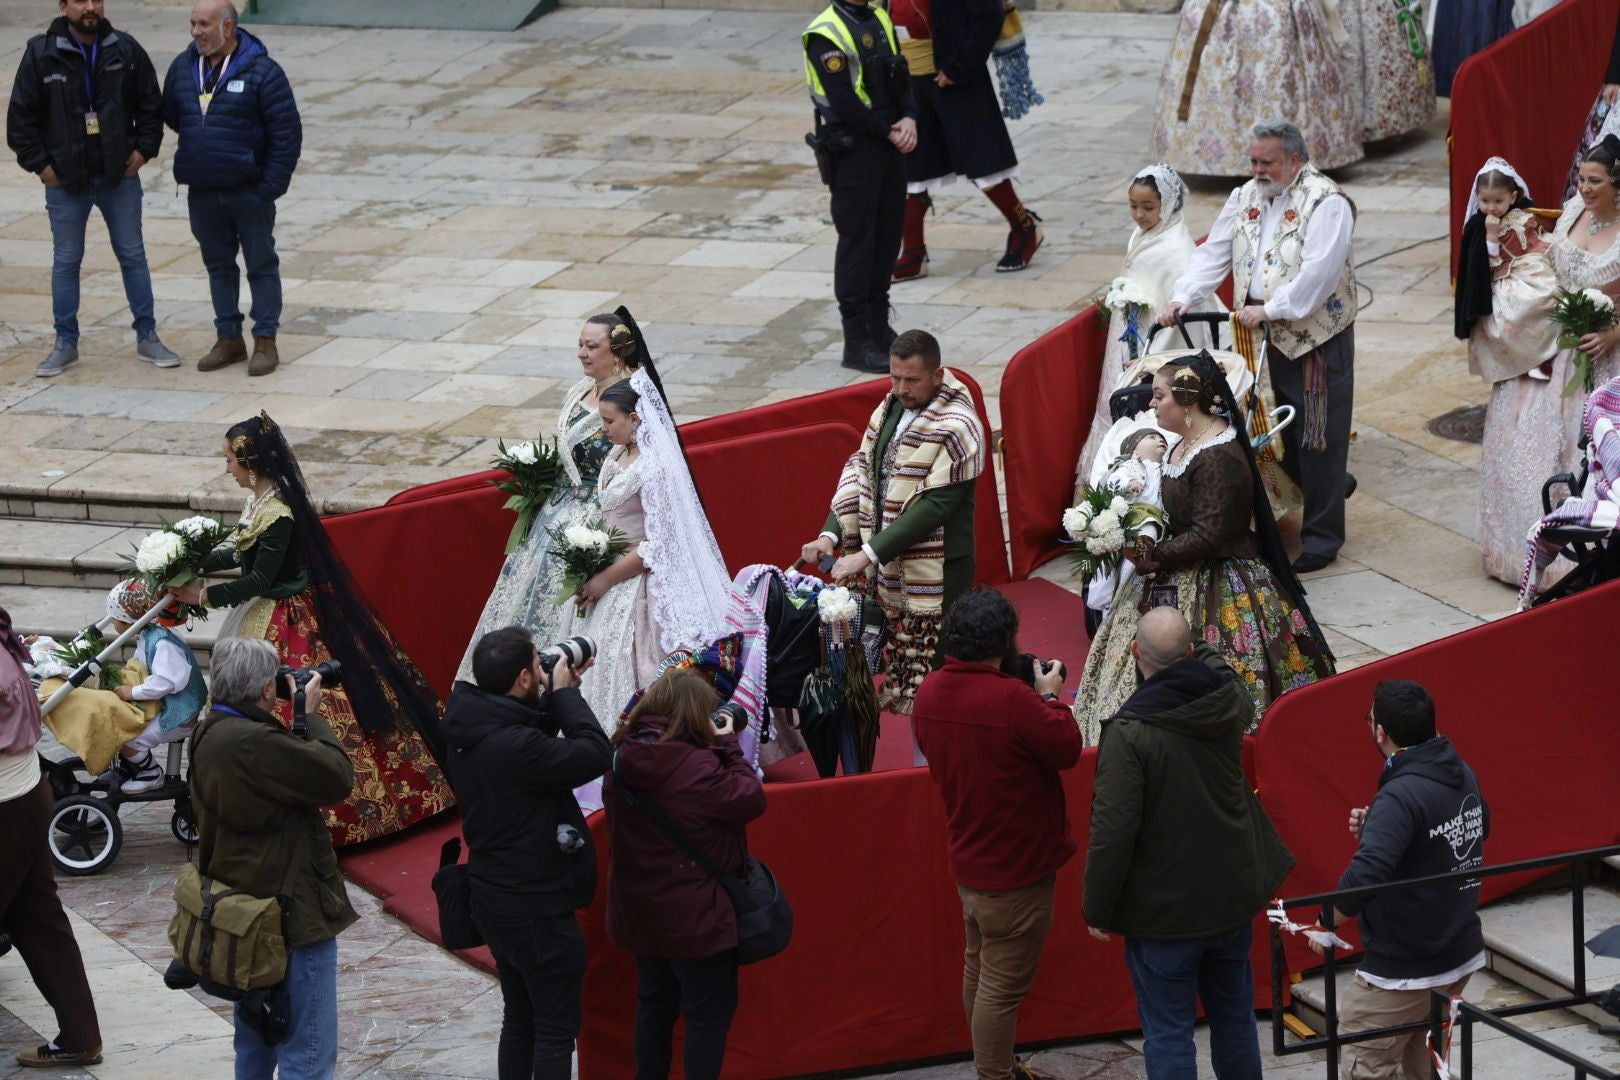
(62, 357)
(156, 353)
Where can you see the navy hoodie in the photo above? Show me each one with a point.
(251, 133)
(1427, 818)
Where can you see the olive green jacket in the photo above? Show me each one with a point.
(256, 786)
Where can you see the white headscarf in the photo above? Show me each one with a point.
(688, 586)
(1156, 257)
(1493, 164)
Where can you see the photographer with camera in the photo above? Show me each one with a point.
(258, 790)
(520, 741)
(996, 737)
(678, 756)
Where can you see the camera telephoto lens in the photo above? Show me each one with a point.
(738, 715)
(579, 651)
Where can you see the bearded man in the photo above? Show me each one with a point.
(903, 512)
(1285, 237)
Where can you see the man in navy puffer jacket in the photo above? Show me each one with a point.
(240, 136)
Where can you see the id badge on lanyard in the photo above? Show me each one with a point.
(92, 121)
(206, 97)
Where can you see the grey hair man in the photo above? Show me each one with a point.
(258, 790)
(1182, 857)
(1285, 237)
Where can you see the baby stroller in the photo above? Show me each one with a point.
(84, 833)
(1129, 405)
(1591, 546)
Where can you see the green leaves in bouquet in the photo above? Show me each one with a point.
(1580, 312)
(75, 654)
(528, 482)
(581, 560)
(175, 554)
(1094, 503)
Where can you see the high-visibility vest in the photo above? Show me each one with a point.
(830, 26)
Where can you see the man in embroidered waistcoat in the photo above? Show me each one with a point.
(1285, 236)
(903, 513)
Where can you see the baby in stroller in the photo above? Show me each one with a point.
(174, 681)
(1583, 527)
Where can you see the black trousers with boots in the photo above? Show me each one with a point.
(868, 210)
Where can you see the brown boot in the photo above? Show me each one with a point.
(226, 351)
(265, 358)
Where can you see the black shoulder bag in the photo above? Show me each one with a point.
(764, 916)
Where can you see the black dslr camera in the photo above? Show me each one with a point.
(331, 673)
(1025, 669)
(730, 713)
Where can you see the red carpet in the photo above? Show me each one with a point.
(399, 870)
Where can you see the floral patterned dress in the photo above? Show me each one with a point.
(1228, 594)
(397, 783)
(1234, 64)
(1533, 431)
(1387, 54)
(525, 593)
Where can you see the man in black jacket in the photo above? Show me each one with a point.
(85, 115)
(1182, 856)
(1427, 818)
(960, 131)
(514, 762)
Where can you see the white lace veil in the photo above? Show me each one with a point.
(1494, 164)
(688, 582)
(1172, 190)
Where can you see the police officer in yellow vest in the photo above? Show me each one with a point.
(865, 119)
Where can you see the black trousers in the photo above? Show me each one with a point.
(541, 963)
(31, 912)
(705, 992)
(868, 210)
(1320, 474)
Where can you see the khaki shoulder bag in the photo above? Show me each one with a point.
(230, 940)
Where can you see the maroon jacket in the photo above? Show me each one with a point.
(995, 749)
(659, 902)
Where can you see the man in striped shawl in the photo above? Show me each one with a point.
(902, 518)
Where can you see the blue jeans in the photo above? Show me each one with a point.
(225, 220)
(310, 1052)
(1171, 978)
(120, 206)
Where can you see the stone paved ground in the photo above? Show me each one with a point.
(464, 201)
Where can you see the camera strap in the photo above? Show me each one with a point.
(672, 832)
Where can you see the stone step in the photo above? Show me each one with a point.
(1527, 954)
(63, 612)
(1495, 1054)
(50, 553)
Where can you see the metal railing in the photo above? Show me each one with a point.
(1439, 1006)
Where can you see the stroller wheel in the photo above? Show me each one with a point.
(184, 825)
(84, 835)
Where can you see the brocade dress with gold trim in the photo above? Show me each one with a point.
(1227, 592)
(397, 783)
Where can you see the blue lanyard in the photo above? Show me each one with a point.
(230, 711)
(89, 67)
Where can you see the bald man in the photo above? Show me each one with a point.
(240, 137)
(1182, 857)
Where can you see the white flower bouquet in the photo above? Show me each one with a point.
(175, 554)
(1134, 304)
(531, 471)
(1103, 524)
(835, 604)
(585, 550)
(1580, 312)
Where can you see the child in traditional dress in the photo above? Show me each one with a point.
(1156, 254)
(1506, 288)
(174, 683)
(1136, 473)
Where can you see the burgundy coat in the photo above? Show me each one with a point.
(659, 902)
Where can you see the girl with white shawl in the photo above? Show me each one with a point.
(669, 591)
(1156, 254)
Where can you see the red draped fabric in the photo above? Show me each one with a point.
(874, 973)
(1542, 734)
(427, 559)
(1525, 98)
(1048, 396)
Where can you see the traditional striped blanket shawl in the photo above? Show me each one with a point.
(944, 445)
(1603, 512)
